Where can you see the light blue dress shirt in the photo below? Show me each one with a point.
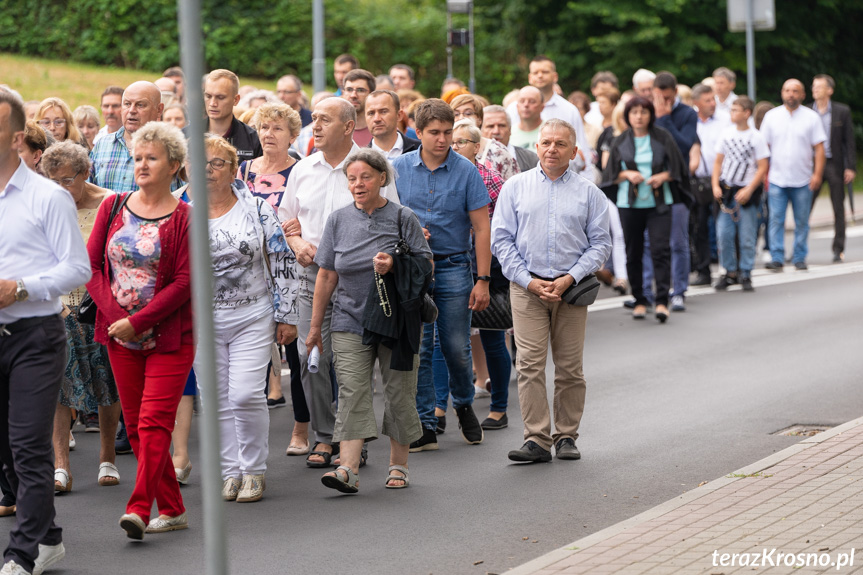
(40, 243)
(550, 227)
(442, 199)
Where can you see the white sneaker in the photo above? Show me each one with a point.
(165, 524)
(481, 392)
(12, 568)
(678, 303)
(48, 555)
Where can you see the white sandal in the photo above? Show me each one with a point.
(62, 481)
(109, 475)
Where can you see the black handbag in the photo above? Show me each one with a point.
(498, 314)
(583, 293)
(428, 309)
(87, 308)
(702, 189)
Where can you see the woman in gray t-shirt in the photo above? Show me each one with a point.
(356, 246)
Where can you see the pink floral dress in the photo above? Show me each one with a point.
(134, 252)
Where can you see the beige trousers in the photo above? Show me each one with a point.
(535, 322)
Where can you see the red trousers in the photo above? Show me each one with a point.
(151, 385)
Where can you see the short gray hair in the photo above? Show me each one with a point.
(495, 109)
(166, 134)
(65, 154)
(725, 73)
(642, 75)
(467, 125)
(562, 124)
(699, 90)
(374, 159)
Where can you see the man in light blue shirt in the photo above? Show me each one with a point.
(448, 195)
(550, 231)
(42, 256)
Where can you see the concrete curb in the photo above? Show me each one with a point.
(688, 497)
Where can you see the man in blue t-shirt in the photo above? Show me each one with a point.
(448, 195)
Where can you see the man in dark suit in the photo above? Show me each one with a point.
(382, 118)
(841, 153)
(497, 125)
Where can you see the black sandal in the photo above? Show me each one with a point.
(328, 457)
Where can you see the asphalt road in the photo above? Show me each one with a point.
(668, 406)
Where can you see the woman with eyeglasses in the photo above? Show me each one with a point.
(490, 153)
(88, 385)
(54, 116)
(254, 306)
(141, 285)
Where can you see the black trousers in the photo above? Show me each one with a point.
(32, 362)
(634, 221)
(701, 261)
(835, 178)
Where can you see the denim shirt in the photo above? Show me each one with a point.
(442, 199)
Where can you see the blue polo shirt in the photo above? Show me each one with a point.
(442, 199)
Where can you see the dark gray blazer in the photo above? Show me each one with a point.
(526, 159)
(842, 145)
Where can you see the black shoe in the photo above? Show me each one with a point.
(121, 441)
(91, 422)
(274, 403)
(566, 449)
(774, 266)
(838, 257)
(725, 281)
(703, 279)
(801, 266)
(469, 425)
(530, 452)
(441, 424)
(489, 423)
(428, 442)
(629, 304)
(747, 284)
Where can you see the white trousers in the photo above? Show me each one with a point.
(242, 356)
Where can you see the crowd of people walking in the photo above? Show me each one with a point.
(368, 226)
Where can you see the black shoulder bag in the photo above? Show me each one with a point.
(87, 308)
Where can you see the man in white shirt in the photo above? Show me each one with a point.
(724, 81)
(543, 76)
(496, 125)
(112, 99)
(42, 256)
(709, 129)
(315, 189)
(382, 117)
(796, 138)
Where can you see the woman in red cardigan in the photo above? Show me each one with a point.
(140, 263)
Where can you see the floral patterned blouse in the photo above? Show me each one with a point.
(269, 187)
(496, 157)
(134, 252)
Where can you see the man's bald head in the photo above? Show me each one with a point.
(339, 108)
(333, 122)
(793, 93)
(530, 104)
(142, 103)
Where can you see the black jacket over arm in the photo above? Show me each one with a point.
(842, 145)
(666, 157)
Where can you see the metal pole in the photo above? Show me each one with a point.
(750, 48)
(319, 62)
(472, 82)
(192, 60)
(449, 44)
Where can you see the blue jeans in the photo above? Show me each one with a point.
(497, 360)
(450, 290)
(747, 228)
(801, 204)
(681, 256)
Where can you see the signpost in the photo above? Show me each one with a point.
(460, 37)
(748, 16)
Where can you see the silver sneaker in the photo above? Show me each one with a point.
(48, 555)
(230, 489)
(678, 303)
(165, 524)
(252, 489)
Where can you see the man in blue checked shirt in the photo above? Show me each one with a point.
(550, 230)
(448, 195)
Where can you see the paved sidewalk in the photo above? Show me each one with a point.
(806, 499)
(822, 212)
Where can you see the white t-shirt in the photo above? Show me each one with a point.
(709, 133)
(239, 287)
(741, 151)
(791, 137)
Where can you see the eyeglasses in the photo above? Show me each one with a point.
(280, 92)
(357, 91)
(217, 163)
(460, 143)
(58, 123)
(65, 182)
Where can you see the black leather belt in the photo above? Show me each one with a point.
(23, 324)
(438, 258)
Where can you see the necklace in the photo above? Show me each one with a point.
(382, 295)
